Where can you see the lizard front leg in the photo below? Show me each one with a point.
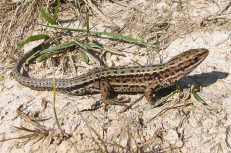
(148, 93)
(154, 93)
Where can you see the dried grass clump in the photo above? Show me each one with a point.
(17, 20)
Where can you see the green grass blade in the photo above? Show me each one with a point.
(56, 12)
(106, 33)
(68, 29)
(47, 52)
(93, 45)
(167, 97)
(49, 19)
(45, 56)
(198, 98)
(34, 38)
(191, 105)
(164, 98)
(88, 25)
(55, 48)
(84, 57)
(126, 38)
(87, 45)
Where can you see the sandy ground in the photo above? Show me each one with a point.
(172, 127)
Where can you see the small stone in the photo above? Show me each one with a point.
(163, 7)
(114, 58)
(2, 77)
(193, 122)
(173, 139)
(208, 123)
(8, 84)
(39, 66)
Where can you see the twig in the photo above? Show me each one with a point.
(130, 105)
(226, 7)
(164, 110)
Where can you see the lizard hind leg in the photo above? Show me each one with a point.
(106, 92)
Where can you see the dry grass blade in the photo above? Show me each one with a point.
(227, 132)
(149, 142)
(29, 136)
(16, 16)
(226, 7)
(98, 11)
(29, 119)
(39, 132)
(28, 130)
(90, 128)
(56, 118)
